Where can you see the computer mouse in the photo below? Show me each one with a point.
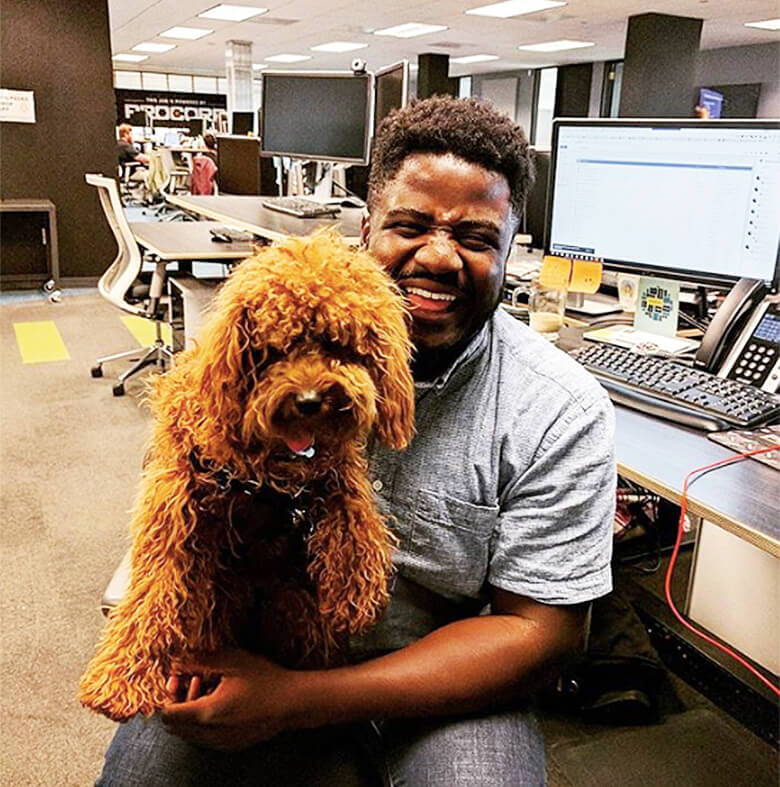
(352, 202)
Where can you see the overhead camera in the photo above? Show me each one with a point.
(359, 66)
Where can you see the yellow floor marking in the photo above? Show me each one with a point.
(40, 342)
(144, 331)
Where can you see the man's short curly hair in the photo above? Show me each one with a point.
(466, 127)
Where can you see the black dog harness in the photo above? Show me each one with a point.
(295, 505)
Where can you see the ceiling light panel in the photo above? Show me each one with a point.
(151, 46)
(514, 8)
(410, 30)
(186, 33)
(767, 24)
(473, 59)
(232, 13)
(285, 58)
(338, 46)
(124, 57)
(556, 46)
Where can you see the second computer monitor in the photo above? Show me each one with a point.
(391, 90)
(324, 116)
(685, 199)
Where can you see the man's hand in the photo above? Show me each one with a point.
(251, 703)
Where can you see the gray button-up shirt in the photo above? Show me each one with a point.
(509, 482)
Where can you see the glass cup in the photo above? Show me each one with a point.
(545, 308)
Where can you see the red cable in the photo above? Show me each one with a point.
(668, 582)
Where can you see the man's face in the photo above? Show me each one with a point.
(443, 228)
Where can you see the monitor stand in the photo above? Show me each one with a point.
(323, 189)
(579, 304)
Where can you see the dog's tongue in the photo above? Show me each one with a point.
(300, 445)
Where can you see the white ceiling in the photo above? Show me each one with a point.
(293, 26)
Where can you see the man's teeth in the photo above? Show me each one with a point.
(433, 296)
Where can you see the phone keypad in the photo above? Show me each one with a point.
(758, 360)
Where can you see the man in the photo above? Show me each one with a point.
(126, 151)
(503, 507)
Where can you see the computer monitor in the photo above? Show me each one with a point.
(535, 212)
(241, 169)
(391, 90)
(692, 200)
(195, 127)
(318, 115)
(243, 123)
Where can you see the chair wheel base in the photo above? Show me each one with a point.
(96, 371)
(118, 389)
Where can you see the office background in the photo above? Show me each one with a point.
(66, 59)
(70, 451)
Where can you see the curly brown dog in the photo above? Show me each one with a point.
(256, 524)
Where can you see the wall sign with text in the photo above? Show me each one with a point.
(166, 108)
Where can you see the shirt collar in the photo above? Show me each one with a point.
(472, 350)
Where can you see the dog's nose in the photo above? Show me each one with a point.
(308, 402)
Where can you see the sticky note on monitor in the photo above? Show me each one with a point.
(555, 272)
(561, 273)
(585, 276)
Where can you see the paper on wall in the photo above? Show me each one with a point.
(17, 106)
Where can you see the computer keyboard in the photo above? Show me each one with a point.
(300, 206)
(678, 393)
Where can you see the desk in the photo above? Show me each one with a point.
(186, 241)
(247, 213)
(741, 498)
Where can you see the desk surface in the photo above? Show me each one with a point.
(247, 213)
(186, 240)
(742, 498)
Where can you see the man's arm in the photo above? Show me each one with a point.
(469, 665)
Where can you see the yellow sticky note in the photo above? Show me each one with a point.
(555, 272)
(585, 276)
(40, 342)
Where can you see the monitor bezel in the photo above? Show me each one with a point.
(691, 276)
(369, 79)
(405, 80)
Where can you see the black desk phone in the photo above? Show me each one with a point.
(743, 340)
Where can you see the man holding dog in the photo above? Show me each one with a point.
(503, 508)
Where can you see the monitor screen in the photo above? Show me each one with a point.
(391, 90)
(692, 200)
(243, 123)
(324, 116)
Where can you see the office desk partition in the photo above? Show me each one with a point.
(247, 213)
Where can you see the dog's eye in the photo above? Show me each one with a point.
(339, 352)
(263, 357)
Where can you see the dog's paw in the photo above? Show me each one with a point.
(120, 697)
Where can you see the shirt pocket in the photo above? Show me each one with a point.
(449, 544)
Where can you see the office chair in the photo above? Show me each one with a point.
(119, 285)
(132, 183)
(167, 177)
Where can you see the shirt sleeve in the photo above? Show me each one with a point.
(553, 540)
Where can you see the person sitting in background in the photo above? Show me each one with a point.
(210, 141)
(126, 151)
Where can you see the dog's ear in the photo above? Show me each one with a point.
(221, 368)
(390, 357)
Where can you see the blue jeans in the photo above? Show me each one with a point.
(501, 750)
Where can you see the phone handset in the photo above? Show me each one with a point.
(727, 323)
